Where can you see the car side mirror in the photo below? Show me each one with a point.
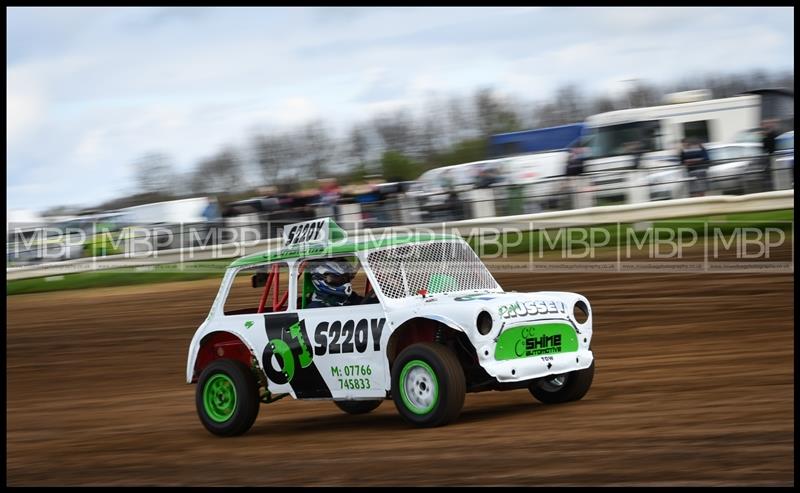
(259, 279)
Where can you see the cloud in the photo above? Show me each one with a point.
(90, 90)
(382, 85)
(342, 15)
(158, 17)
(294, 111)
(26, 103)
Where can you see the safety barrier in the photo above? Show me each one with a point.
(627, 213)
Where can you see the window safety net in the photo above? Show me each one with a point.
(438, 267)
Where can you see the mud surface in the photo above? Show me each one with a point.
(693, 386)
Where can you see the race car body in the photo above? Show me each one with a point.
(432, 325)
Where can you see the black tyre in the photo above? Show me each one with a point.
(428, 384)
(358, 407)
(227, 397)
(566, 387)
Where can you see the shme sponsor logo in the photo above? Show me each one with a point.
(532, 345)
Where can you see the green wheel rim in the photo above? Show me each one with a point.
(219, 397)
(419, 387)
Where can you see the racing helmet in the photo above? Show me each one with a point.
(331, 278)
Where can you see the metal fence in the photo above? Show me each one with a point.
(723, 177)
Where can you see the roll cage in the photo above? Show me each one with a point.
(297, 273)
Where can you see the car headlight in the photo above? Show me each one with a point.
(484, 323)
(580, 312)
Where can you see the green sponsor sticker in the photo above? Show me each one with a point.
(536, 340)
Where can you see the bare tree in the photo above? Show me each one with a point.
(459, 123)
(318, 148)
(547, 115)
(220, 173)
(274, 154)
(185, 183)
(602, 104)
(644, 94)
(494, 115)
(199, 181)
(155, 173)
(359, 145)
(429, 135)
(395, 130)
(571, 105)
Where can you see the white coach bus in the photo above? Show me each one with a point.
(658, 130)
(649, 138)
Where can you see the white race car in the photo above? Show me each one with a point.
(432, 325)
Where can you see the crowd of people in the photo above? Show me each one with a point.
(696, 159)
(275, 208)
(376, 207)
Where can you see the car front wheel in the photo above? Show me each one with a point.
(227, 397)
(555, 389)
(428, 385)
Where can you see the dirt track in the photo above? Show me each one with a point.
(694, 385)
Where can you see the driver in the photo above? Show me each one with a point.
(332, 283)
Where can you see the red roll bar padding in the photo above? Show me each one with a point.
(275, 293)
(367, 288)
(284, 299)
(267, 287)
(273, 281)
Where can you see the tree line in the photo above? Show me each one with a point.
(402, 144)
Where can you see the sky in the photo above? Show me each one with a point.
(90, 90)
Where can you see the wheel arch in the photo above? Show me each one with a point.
(217, 345)
(419, 329)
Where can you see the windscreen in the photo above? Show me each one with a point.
(436, 267)
(627, 138)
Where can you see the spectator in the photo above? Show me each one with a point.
(575, 161)
(695, 158)
(329, 192)
(635, 148)
(327, 198)
(376, 208)
(213, 217)
(454, 207)
(487, 176)
(771, 132)
(572, 183)
(211, 211)
(446, 180)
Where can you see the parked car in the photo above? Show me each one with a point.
(672, 182)
(751, 135)
(783, 164)
(737, 168)
(437, 191)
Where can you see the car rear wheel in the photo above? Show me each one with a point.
(428, 385)
(358, 407)
(555, 389)
(227, 397)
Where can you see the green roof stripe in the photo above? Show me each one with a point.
(346, 248)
